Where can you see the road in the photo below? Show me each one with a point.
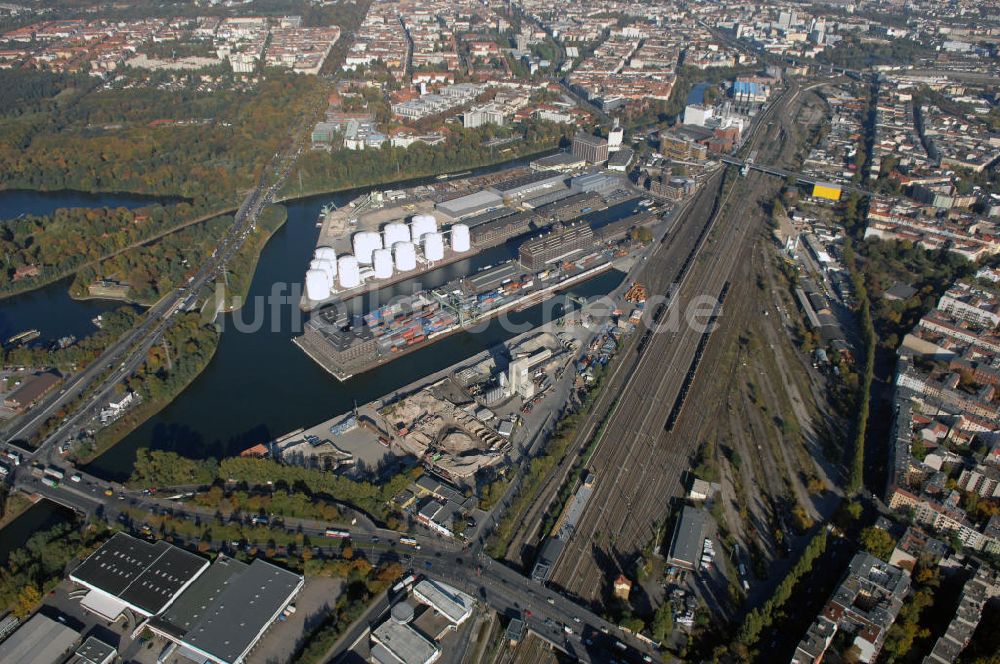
(468, 568)
(96, 383)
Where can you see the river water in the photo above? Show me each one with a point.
(50, 309)
(259, 385)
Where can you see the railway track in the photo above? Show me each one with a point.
(637, 471)
(668, 270)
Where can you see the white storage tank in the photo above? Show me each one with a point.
(317, 285)
(325, 253)
(365, 243)
(395, 232)
(460, 240)
(327, 267)
(433, 244)
(348, 272)
(382, 263)
(421, 225)
(405, 254)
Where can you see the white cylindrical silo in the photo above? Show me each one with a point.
(327, 253)
(317, 285)
(433, 245)
(382, 263)
(395, 232)
(348, 272)
(460, 240)
(421, 225)
(405, 254)
(327, 267)
(365, 243)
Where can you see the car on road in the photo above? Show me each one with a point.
(109, 493)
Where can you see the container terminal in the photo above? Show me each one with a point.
(568, 253)
(385, 237)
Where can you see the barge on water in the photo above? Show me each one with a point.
(346, 347)
(24, 337)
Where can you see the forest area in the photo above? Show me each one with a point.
(320, 171)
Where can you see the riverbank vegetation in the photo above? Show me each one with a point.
(152, 270)
(241, 268)
(463, 149)
(160, 469)
(187, 347)
(39, 249)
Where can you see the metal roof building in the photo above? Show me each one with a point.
(129, 573)
(41, 640)
(470, 204)
(455, 605)
(222, 616)
(687, 541)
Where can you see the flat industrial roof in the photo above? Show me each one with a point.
(453, 603)
(687, 542)
(242, 610)
(479, 200)
(144, 575)
(41, 640)
(520, 181)
(95, 651)
(404, 643)
(193, 603)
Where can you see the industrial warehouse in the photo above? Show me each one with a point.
(213, 612)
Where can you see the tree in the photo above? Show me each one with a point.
(877, 542)
(27, 600)
(663, 622)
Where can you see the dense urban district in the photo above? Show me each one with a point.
(617, 332)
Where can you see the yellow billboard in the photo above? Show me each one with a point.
(830, 192)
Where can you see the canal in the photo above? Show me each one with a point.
(259, 385)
